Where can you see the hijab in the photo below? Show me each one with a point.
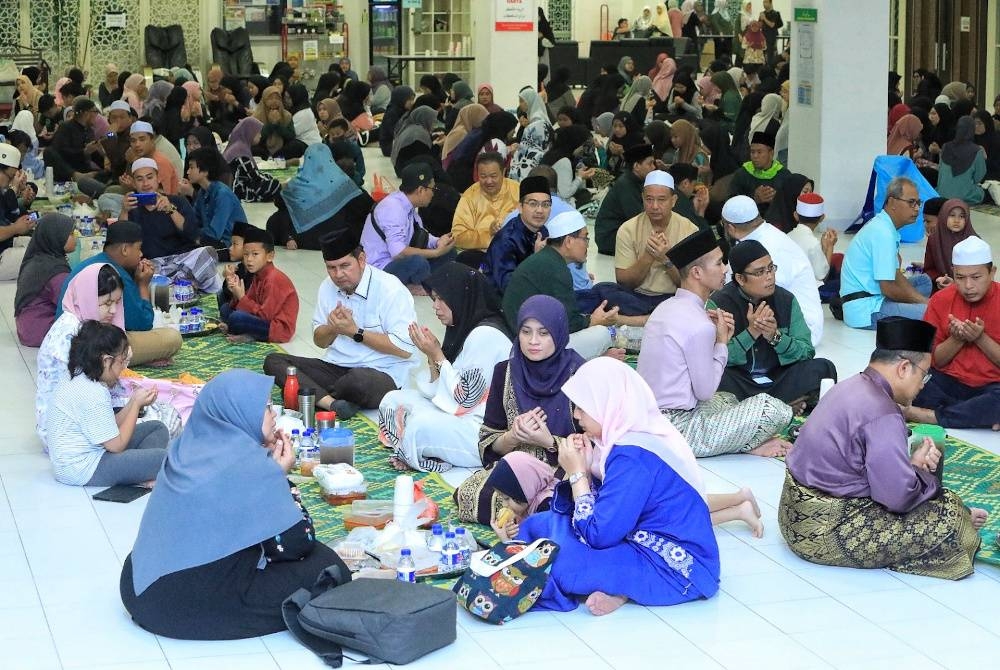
(194, 494)
(205, 137)
(602, 123)
(663, 79)
(724, 83)
(662, 20)
(770, 110)
(57, 90)
(193, 103)
(942, 241)
(559, 83)
(493, 106)
(25, 122)
(955, 90)
(539, 383)
(472, 300)
(130, 92)
(318, 190)
(657, 133)
(567, 140)
(618, 399)
(261, 83)
(33, 93)
(715, 138)
(377, 77)
(352, 99)
(156, 99)
(536, 106)
(903, 135)
(461, 94)
(626, 75)
(521, 476)
(299, 97)
(690, 141)
(182, 76)
(960, 153)
(645, 20)
(640, 89)
(786, 197)
(80, 297)
(990, 142)
(633, 134)
(944, 131)
(44, 258)
(416, 127)
(896, 113)
(469, 118)
(242, 138)
(496, 126)
(708, 89)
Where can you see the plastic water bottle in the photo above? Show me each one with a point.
(297, 445)
(451, 557)
(465, 551)
(199, 320)
(406, 570)
(435, 541)
(185, 324)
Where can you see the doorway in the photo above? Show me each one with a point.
(948, 37)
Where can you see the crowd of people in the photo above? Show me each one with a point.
(721, 265)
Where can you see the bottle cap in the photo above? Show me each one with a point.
(405, 551)
(291, 370)
(437, 529)
(449, 535)
(459, 531)
(295, 431)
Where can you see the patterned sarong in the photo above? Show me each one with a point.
(200, 267)
(725, 425)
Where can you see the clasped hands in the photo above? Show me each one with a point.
(761, 321)
(725, 325)
(926, 456)
(341, 319)
(233, 282)
(657, 247)
(531, 428)
(967, 330)
(424, 340)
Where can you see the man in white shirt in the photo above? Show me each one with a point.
(361, 319)
(742, 221)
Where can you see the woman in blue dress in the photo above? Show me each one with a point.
(631, 519)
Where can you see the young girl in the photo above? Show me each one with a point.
(89, 444)
(523, 486)
(954, 225)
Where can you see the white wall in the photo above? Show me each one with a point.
(508, 60)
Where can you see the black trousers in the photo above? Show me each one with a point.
(362, 386)
(789, 382)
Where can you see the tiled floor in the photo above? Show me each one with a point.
(60, 555)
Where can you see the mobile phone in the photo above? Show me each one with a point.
(145, 198)
(110, 135)
(33, 216)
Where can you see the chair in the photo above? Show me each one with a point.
(884, 170)
(231, 50)
(165, 47)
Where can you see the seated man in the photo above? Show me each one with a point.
(760, 176)
(808, 214)
(964, 388)
(123, 250)
(521, 236)
(362, 320)
(170, 231)
(73, 148)
(742, 221)
(692, 196)
(545, 273)
(771, 352)
(13, 222)
(484, 206)
(872, 286)
(390, 235)
(854, 494)
(216, 206)
(266, 312)
(116, 146)
(684, 355)
(142, 144)
(624, 199)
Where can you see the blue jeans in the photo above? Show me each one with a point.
(244, 323)
(416, 269)
(911, 310)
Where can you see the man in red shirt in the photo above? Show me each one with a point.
(964, 386)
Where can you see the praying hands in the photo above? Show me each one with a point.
(966, 331)
(341, 320)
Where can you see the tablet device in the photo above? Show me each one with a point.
(121, 494)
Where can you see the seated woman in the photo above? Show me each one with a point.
(43, 270)
(95, 293)
(277, 134)
(399, 104)
(90, 443)
(249, 183)
(228, 106)
(202, 568)
(645, 534)
(526, 409)
(318, 200)
(303, 119)
(413, 138)
(962, 166)
(436, 426)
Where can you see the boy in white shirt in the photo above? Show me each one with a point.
(809, 214)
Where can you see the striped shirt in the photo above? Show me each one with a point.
(80, 420)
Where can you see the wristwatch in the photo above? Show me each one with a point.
(359, 336)
(777, 338)
(575, 477)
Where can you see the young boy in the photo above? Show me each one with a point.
(239, 270)
(809, 213)
(217, 207)
(266, 312)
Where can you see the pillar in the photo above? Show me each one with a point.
(506, 58)
(837, 100)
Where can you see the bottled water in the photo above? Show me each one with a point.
(185, 324)
(451, 557)
(296, 446)
(435, 541)
(464, 549)
(306, 443)
(198, 319)
(406, 571)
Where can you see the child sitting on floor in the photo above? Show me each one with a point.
(239, 270)
(266, 312)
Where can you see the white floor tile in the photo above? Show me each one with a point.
(243, 662)
(840, 646)
(883, 606)
(765, 653)
(99, 634)
(549, 644)
(769, 588)
(176, 650)
(788, 616)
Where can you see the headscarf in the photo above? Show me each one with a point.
(377, 77)
(708, 89)
(724, 83)
(683, 77)
(318, 190)
(493, 106)
(172, 124)
(205, 137)
(239, 91)
(990, 142)
(737, 75)
(469, 118)
(690, 141)
(262, 83)
(559, 83)
(57, 90)
(299, 97)
(25, 122)
(44, 258)
(462, 95)
(770, 110)
(448, 81)
(896, 113)
(786, 197)
(903, 135)
(942, 241)
(130, 92)
(640, 89)
(433, 86)
(633, 133)
(663, 79)
(283, 71)
(618, 399)
(687, 9)
(960, 153)
(626, 75)
(657, 133)
(662, 20)
(193, 104)
(472, 300)
(181, 76)
(944, 131)
(645, 20)
(566, 141)
(602, 123)
(416, 127)
(193, 497)
(80, 297)
(352, 99)
(33, 93)
(156, 99)
(242, 138)
(535, 481)
(536, 106)
(955, 90)
(261, 111)
(539, 383)
(715, 138)
(496, 126)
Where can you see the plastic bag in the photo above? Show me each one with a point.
(431, 514)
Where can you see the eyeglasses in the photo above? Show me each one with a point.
(538, 204)
(927, 374)
(770, 269)
(912, 202)
(585, 238)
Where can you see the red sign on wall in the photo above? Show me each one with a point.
(515, 16)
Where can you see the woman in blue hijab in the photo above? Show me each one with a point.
(223, 541)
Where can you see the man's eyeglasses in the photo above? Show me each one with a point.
(538, 204)
(927, 374)
(912, 202)
(772, 268)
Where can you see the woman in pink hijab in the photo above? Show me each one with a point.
(648, 536)
(193, 104)
(484, 96)
(663, 76)
(56, 91)
(904, 135)
(134, 92)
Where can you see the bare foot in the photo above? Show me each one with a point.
(239, 339)
(996, 426)
(148, 485)
(615, 353)
(979, 516)
(416, 290)
(399, 464)
(772, 448)
(223, 327)
(919, 415)
(291, 245)
(748, 515)
(747, 495)
(600, 603)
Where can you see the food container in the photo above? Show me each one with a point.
(341, 483)
(374, 513)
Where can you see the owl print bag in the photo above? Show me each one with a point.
(504, 582)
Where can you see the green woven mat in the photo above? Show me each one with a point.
(284, 174)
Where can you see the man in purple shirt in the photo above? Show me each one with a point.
(684, 354)
(855, 494)
(392, 234)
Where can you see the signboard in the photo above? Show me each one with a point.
(965, 24)
(115, 19)
(806, 64)
(412, 4)
(515, 16)
(806, 14)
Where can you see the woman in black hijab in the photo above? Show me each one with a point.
(352, 99)
(328, 86)
(987, 137)
(399, 104)
(786, 196)
(173, 125)
(431, 85)
(227, 111)
(943, 121)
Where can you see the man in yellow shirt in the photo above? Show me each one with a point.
(484, 205)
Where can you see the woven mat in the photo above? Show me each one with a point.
(987, 208)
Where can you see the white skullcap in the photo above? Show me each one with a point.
(740, 209)
(942, 99)
(971, 251)
(810, 205)
(119, 106)
(565, 223)
(10, 156)
(659, 178)
(140, 163)
(141, 127)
